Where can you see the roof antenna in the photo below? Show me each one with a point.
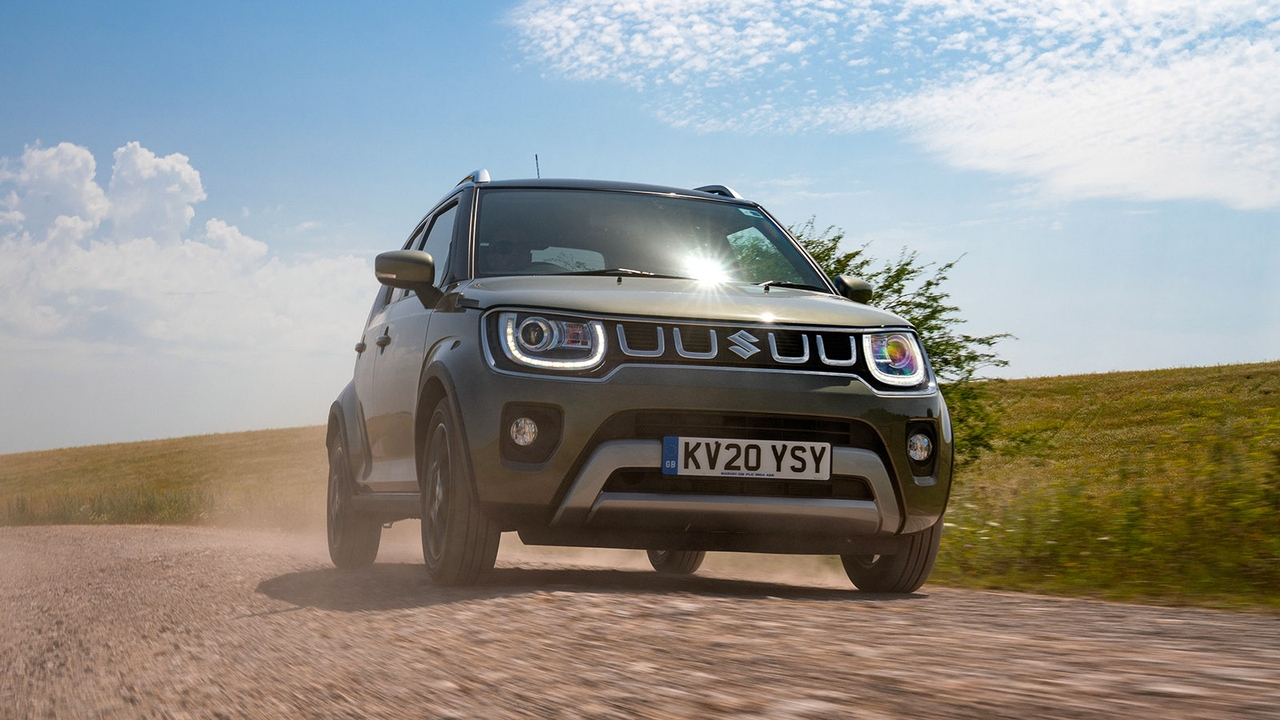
(536, 166)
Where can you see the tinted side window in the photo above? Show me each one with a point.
(439, 239)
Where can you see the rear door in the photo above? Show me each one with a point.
(398, 365)
(358, 437)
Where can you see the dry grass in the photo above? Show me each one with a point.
(269, 477)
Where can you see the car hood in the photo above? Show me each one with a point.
(670, 298)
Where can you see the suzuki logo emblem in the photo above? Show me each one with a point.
(744, 344)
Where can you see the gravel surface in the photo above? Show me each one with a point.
(143, 622)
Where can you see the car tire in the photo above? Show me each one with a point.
(459, 544)
(904, 571)
(676, 562)
(353, 537)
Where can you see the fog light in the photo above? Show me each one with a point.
(524, 431)
(919, 447)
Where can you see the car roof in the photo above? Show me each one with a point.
(579, 184)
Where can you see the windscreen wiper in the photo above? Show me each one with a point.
(785, 284)
(621, 271)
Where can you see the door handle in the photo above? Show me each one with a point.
(383, 340)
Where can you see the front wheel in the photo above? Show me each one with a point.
(353, 538)
(676, 562)
(459, 544)
(904, 571)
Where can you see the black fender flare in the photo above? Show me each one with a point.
(345, 423)
(436, 382)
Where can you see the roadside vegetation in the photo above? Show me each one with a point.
(1150, 485)
(270, 477)
(1139, 485)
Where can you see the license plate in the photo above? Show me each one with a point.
(730, 457)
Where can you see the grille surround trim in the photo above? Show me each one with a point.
(720, 358)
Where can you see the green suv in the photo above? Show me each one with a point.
(603, 364)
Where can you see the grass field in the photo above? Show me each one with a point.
(1159, 486)
(269, 477)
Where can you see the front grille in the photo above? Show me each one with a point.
(790, 344)
(695, 338)
(756, 347)
(657, 425)
(654, 482)
(640, 337)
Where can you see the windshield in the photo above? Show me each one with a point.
(557, 232)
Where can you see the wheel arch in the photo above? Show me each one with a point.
(335, 425)
(437, 384)
(433, 390)
(343, 419)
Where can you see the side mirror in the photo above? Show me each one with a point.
(409, 269)
(859, 291)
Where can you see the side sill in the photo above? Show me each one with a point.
(388, 507)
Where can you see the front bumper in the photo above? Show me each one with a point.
(568, 493)
(589, 504)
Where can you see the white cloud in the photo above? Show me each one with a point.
(56, 182)
(644, 42)
(121, 270)
(123, 321)
(152, 196)
(1154, 100)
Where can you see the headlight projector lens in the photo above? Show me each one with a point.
(536, 334)
(524, 431)
(919, 447)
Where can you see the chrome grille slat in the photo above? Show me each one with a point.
(739, 346)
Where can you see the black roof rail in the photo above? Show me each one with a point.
(476, 176)
(720, 190)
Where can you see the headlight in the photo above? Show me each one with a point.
(536, 335)
(552, 343)
(894, 358)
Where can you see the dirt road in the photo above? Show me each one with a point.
(201, 623)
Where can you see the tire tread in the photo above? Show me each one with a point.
(474, 538)
(676, 562)
(900, 573)
(359, 537)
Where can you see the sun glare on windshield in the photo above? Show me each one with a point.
(708, 271)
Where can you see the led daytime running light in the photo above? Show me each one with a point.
(511, 347)
(886, 365)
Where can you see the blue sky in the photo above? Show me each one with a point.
(191, 196)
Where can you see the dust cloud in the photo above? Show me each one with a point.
(301, 515)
